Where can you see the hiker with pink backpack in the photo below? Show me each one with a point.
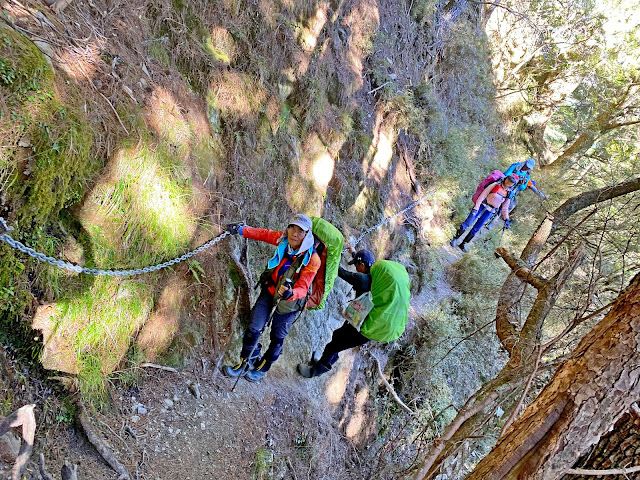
(493, 194)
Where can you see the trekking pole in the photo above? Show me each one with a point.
(287, 283)
(500, 242)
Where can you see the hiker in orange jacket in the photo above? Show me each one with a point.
(294, 259)
(495, 196)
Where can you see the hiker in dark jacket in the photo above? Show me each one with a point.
(293, 259)
(347, 336)
(495, 196)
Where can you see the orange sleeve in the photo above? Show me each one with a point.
(306, 277)
(262, 234)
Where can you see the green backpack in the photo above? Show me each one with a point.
(332, 241)
(390, 291)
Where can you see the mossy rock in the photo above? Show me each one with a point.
(46, 166)
(22, 67)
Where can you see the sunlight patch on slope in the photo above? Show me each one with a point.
(317, 163)
(382, 158)
(337, 384)
(80, 63)
(363, 21)
(358, 415)
(308, 36)
(163, 323)
(238, 96)
(165, 118)
(220, 45)
(323, 171)
(140, 214)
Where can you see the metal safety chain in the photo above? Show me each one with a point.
(388, 219)
(5, 237)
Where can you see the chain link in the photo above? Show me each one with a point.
(5, 237)
(96, 271)
(388, 219)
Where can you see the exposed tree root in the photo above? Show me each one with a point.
(105, 451)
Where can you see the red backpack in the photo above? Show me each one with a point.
(494, 177)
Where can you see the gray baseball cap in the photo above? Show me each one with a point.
(302, 221)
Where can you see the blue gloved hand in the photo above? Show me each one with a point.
(234, 228)
(287, 294)
(507, 223)
(475, 211)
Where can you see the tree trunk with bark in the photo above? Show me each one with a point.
(520, 365)
(520, 340)
(587, 395)
(620, 448)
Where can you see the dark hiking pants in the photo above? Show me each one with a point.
(343, 338)
(280, 326)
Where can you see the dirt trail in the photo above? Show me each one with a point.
(282, 427)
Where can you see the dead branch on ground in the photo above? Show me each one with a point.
(68, 472)
(43, 471)
(390, 388)
(101, 447)
(159, 367)
(25, 418)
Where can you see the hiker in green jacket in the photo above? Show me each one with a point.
(388, 283)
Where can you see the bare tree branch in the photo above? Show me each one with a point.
(390, 388)
(612, 471)
(521, 269)
(611, 126)
(574, 324)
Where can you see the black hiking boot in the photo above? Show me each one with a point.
(464, 245)
(456, 237)
(309, 371)
(259, 371)
(241, 369)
